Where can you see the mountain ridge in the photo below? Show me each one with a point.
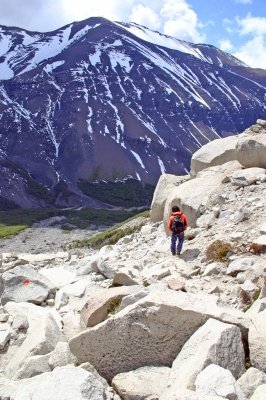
(94, 85)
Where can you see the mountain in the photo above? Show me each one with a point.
(101, 100)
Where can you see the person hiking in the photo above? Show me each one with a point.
(177, 224)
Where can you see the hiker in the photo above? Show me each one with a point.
(177, 224)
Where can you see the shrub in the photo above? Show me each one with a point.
(218, 250)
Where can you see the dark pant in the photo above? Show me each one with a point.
(180, 237)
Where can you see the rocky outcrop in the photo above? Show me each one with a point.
(248, 148)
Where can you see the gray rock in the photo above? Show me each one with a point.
(61, 356)
(248, 176)
(142, 383)
(259, 393)
(239, 265)
(257, 341)
(250, 380)
(25, 284)
(5, 335)
(214, 380)
(251, 151)
(164, 320)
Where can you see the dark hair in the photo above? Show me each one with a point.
(175, 209)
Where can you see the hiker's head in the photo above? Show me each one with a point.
(175, 209)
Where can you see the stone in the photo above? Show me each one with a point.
(61, 299)
(33, 366)
(101, 303)
(248, 286)
(192, 201)
(20, 323)
(76, 289)
(162, 191)
(259, 393)
(215, 380)
(260, 241)
(248, 176)
(212, 269)
(205, 221)
(263, 229)
(58, 275)
(142, 383)
(192, 233)
(216, 152)
(251, 151)
(176, 284)
(132, 298)
(3, 316)
(24, 284)
(214, 342)
(163, 320)
(250, 380)
(126, 277)
(43, 257)
(63, 383)
(41, 339)
(5, 335)
(257, 341)
(239, 265)
(50, 302)
(61, 356)
(242, 214)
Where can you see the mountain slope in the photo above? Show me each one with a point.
(103, 100)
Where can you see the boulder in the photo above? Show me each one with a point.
(215, 380)
(257, 341)
(5, 335)
(58, 275)
(251, 151)
(151, 331)
(63, 383)
(142, 383)
(192, 201)
(213, 343)
(163, 189)
(240, 265)
(259, 393)
(25, 284)
(248, 176)
(100, 304)
(127, 277)
(61, 356)
(250, 380)
(216, 152)
(41, 339)
(43, 257)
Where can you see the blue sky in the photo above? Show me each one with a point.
(235, 26)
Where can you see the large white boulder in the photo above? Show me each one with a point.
(213, 343)
(251, 150)
(257, 341)
(163, 190)
(216, 152)
(63, 383)
(194, 194)
(41, 339)
(24, 283)
(215, 380)
(142, 383)
(152, 331)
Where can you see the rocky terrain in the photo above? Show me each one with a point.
(147, 100)
(130, 321)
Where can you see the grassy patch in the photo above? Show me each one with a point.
(218, 250)
(129, 193)
(14, 221)
(112, 235)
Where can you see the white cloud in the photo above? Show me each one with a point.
(180, 21)
(145, 16)
(253, 52)
(225, 45)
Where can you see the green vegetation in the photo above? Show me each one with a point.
(14, 221)
(218, 250)
(39, 191)
(129, 193)
(112, 235)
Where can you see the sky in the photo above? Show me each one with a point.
(235, 26)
